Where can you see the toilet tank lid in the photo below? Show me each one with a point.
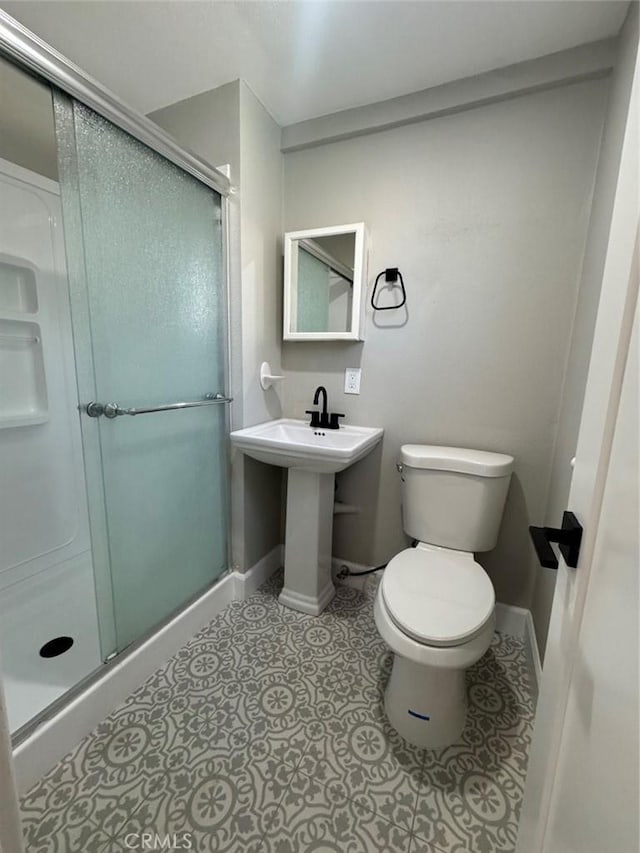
(482, 463)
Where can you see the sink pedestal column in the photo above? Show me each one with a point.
(308, 585)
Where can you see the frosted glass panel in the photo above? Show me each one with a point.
(153, 275)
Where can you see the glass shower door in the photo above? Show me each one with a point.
(145, 254)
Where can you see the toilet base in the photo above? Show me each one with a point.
(426, 705)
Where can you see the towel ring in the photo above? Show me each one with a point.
(392, 274)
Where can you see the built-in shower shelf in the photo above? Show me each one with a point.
(26, 420)
(18, 291)
(23, 390)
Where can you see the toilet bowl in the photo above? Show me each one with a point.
(435, 604)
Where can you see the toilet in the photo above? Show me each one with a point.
(435, 604)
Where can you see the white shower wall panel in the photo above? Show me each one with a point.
(46, 575)
(43, 510)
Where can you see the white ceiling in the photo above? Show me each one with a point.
(305, 59)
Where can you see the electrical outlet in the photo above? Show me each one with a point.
(352, 380)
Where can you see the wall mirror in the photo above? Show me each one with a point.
(324, 281)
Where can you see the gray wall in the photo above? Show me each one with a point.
(485, 213)
(262, 164)
(27, 133)
(586, 308)
(230, 125)
(208, 124)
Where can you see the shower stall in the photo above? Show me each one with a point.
(114, 393)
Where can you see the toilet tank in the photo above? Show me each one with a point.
(454, 497)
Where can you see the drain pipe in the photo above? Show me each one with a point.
(346, 572)
(10, 826)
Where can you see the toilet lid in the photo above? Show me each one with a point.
(439, 598)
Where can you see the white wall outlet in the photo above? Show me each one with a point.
(352, 380)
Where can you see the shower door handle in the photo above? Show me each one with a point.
(113, 410)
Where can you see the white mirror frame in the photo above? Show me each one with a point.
(356, 333)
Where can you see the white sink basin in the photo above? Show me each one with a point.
(294, 444)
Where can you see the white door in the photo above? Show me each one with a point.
(594, 800)
(578, 690)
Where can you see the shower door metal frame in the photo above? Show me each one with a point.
(19, 44)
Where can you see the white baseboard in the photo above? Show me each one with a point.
(511, 620)
(518, 622)
(246, 583)
(59, 734)
(533, 655)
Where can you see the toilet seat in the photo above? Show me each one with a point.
(438, 598)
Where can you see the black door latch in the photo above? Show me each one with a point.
(569, 538)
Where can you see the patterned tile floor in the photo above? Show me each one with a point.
(266, 734)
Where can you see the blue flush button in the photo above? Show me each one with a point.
(419, 716)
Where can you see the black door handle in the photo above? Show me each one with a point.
(569, 538)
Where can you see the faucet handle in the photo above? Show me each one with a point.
(315, 417)
(333, 420)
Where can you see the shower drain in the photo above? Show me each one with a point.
(55, 647)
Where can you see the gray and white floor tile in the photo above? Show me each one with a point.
(266, 732)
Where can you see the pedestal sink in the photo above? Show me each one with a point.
(313, 456)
